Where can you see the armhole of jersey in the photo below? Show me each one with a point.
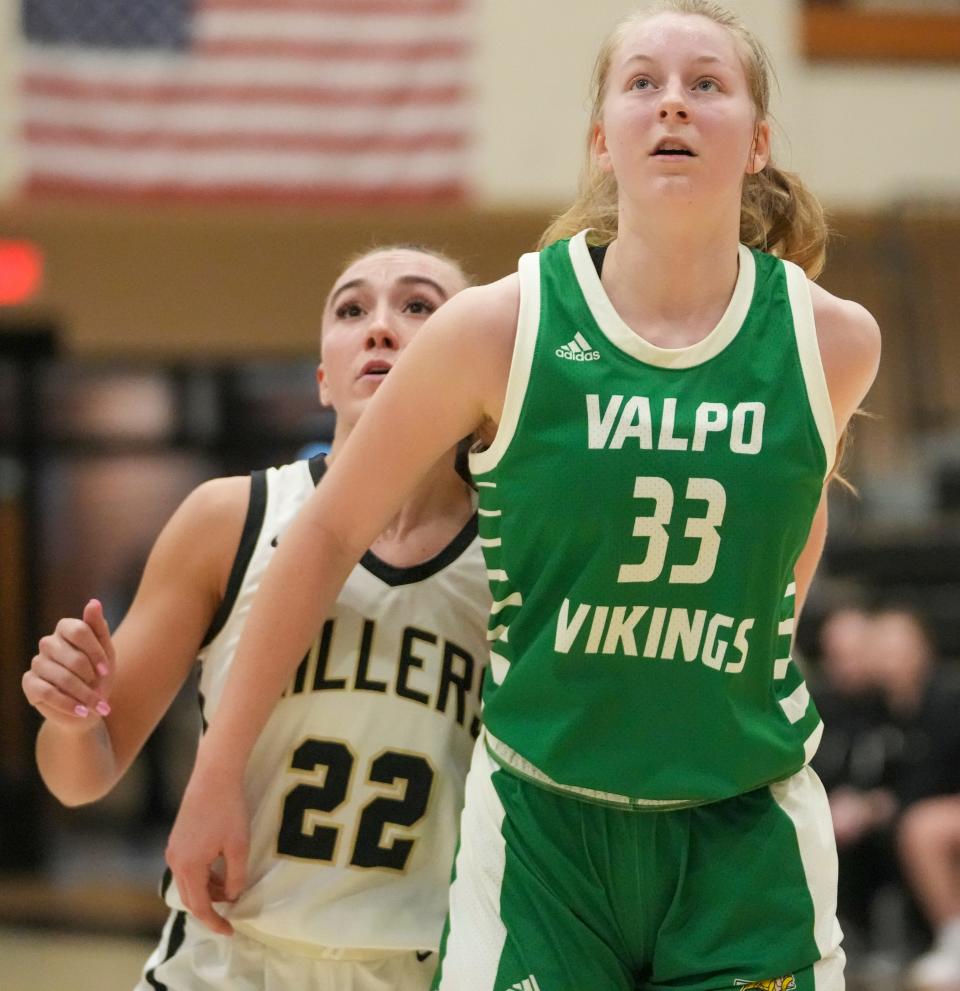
(528, 324)
(808, 349)
(252, 525)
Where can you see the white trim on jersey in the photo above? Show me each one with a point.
(478, 879)
(780, 668)
(528, 325)
(812, 743)
(795, 705)
(619, 333)
(514, 599)
(804, 801)
(808, 348)
(509, 757)
(499, 666)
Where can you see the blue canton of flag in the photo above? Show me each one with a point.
(109, 23)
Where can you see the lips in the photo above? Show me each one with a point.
(375, 367)
(669, 147)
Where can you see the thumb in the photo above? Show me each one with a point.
(94, 618)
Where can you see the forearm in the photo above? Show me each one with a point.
(297, 593)
(77, 766)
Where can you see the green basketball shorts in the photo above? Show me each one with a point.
(551, 893)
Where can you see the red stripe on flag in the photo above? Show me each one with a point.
(363, 8)
(40, 185)
(421, 51)
(172, 93)
(92, 137)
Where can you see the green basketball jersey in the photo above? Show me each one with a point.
(641, 513)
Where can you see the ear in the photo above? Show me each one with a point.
(323, 389)
(760, 149)
(598, 146)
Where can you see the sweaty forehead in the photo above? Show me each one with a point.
(688, 36)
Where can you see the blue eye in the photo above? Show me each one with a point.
(707, 85)
(641, 84)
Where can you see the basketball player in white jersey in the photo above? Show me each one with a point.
(356, 783)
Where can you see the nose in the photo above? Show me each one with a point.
(674, 103)
(380, 333)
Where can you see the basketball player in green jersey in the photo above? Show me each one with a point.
(356, 782)
(658, 421)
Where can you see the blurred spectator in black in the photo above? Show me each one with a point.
(923, 700)
(853, 764)
(892, 739)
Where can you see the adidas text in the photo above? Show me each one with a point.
(577, 350)
(581, 356)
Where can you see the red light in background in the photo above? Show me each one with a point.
(21, 271)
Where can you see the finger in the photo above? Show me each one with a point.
(59, 648)
(94, 618)
(55, 685)
(52, 704)
(197, 899)
(235, 870)
(215, 889)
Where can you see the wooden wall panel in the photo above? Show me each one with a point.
(196, 285)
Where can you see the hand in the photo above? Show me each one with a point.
(213, 822)
(852, 815)
(69, 679)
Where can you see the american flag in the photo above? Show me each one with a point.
(346, 101)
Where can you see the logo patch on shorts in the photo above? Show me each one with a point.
(771, 984)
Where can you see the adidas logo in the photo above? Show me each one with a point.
(530, 984)
(577, 350)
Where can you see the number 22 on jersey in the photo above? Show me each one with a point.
(307, 829)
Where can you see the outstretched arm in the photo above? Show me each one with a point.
(448, 383)
(124, 683)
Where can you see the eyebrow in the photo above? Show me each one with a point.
(651, 58)
(406, 280)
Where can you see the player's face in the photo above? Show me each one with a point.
(678, 117)
(371, 315)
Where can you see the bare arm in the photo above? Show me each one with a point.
(850, 352)
(446, 385)
(81, 758)
(449, 382)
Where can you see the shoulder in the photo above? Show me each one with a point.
(487, 312)
(204, 532)
(467, 345)
(219, 500)
(849, 341)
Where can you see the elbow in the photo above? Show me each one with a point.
(73, 794)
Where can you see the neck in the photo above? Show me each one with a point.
(673, 275)
(440, 493)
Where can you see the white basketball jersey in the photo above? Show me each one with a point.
(356, 783)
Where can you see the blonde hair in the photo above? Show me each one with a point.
(778, 214)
